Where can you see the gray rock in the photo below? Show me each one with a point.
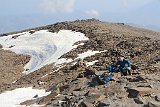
(80, 101)
(157, 97)
(35, 96)
(132, 93)
(114, 89)
(75, 99)
(52, 88)
(86, 104)
(114, 97)
(53, 103)
(78, 93)
(66, 104)
(139, 100)
(92, 98)
(154, 104)
(104, 103)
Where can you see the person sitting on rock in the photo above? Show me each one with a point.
(122, 65)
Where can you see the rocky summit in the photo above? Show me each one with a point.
(73, 84)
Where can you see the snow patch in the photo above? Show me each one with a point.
(86, 54)
(63, 60)
(91, 63)
(15, 97)
(81, 44)
(44, 47)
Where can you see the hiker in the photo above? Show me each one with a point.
(122, 65)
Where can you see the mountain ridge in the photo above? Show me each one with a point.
(76, 21)
(140, 46)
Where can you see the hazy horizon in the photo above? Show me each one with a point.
(18, 15)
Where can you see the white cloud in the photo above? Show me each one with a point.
(57, 6)
(93, 13)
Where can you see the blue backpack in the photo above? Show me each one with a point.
(104, 78)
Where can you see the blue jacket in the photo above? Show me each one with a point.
(124, 63)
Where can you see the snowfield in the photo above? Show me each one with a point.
(15, 97)
(44, 47)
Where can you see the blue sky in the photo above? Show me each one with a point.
(21, 14)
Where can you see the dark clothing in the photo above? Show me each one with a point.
(121, 66)
(124, 63)
(124, 71)
(104, 78)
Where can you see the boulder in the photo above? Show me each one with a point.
(92, 98)
(92, 91)
(154, 104)
(54, 103)
(76, 87)
(139, 100)
(28, 102)
(135, 79)
(104, 103)
(79, 93)
(132, 93)
(47, 99)
(35, 96)
(32, 31)
(86, 104)
(115, 90)
(157, 98)
(142, 91)
(101, 98)
(52, 88)
(63, 88)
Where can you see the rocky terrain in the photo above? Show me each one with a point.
(73, 85)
